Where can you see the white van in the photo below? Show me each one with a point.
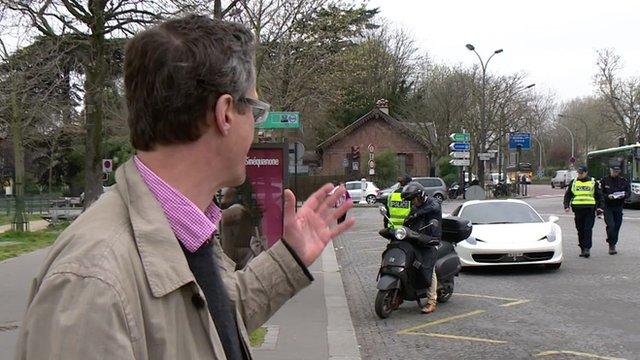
(563, 178)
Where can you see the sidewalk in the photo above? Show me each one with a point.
(34, 225)
(316, 324)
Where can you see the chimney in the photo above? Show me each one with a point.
(383, 105)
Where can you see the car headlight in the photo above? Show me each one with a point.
(401, 233)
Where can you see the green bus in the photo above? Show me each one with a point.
(628, 157)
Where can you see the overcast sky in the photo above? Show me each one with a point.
(553, 41)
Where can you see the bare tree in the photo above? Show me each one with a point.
(87, 27)
(622, 95)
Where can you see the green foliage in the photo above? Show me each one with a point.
(386, 168)
(256, 339)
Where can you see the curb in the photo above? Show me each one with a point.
(341, 335)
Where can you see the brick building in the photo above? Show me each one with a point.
(382, 131)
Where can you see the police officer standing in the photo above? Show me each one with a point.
(584, 197)
(615, 190)
(397, 208)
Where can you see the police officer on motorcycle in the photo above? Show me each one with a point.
(397, 208)
(425, 217)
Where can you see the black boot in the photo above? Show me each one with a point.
(612, 250)
(583, 252)
(587, 253)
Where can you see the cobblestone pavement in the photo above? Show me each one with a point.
(587, 309)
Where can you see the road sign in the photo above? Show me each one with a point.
(460, 154)
(355, 166)
(372, 164)
(460, 162)
(372, 171)
(540, 172)
(281, 120)
(489, 155)
(371, 148)
(460, 146)
(460, 137)
(107, 165)
(345, 162)
(522, 140)
(493, 151)
(484, 158)
(572, 160)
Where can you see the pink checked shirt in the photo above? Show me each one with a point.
(191, 226)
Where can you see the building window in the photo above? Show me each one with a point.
(402, 164)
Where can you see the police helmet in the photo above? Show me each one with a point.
(412, 191)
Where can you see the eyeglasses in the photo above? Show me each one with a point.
(260, 109)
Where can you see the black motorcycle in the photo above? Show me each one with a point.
(400, 277)
(454, 191)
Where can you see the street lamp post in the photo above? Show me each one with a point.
(573, 145)
(483, 121)
(586, 130)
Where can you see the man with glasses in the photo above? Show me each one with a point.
(583, 196)
(615, 190)
(140, 274)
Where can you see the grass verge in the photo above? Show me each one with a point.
(7, 219)
(17, 243)
(257, 337)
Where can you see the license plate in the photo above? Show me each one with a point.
(515, 254)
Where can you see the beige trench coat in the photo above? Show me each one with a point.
(116, 285)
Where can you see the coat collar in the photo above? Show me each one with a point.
(164, 264)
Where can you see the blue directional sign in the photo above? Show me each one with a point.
(520, 140)
(460, 146)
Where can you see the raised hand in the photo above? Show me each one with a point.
(311, 228)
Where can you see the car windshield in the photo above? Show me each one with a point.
(500, 213)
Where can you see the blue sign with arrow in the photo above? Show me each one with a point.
(460, 146)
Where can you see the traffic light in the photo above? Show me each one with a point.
(355, 153)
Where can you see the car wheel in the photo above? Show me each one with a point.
(553, 186)
(439, 197)
(371, 199)
(553, 266)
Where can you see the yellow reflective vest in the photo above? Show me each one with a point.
(398, 209)
(583, 192)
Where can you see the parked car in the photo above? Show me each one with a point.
(434, 186)
(355, 190)
(563, 178)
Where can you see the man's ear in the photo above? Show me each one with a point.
(222, 114)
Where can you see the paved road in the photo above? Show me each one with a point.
(587, 308)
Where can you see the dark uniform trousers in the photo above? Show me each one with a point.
(585, 217)
(613, 218)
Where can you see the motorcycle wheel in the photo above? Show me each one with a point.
(384, 303)
(445, 292)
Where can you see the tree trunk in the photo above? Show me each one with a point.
(217, 9)
(19, 221)
(96, 72)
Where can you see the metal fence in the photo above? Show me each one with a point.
(33, 204)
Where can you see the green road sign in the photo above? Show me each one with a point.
(460, 137)
(281, 120)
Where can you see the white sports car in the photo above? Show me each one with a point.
(508, 232)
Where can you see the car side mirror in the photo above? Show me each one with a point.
(553, 219)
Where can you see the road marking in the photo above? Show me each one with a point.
(510, 301)
(581, 354)
(456, 337)
(440, 321)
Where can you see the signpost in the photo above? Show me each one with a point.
(460, 137)
(281, 120)
(460, 162)
(460, 154)
(519, 141)
(460, 146)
